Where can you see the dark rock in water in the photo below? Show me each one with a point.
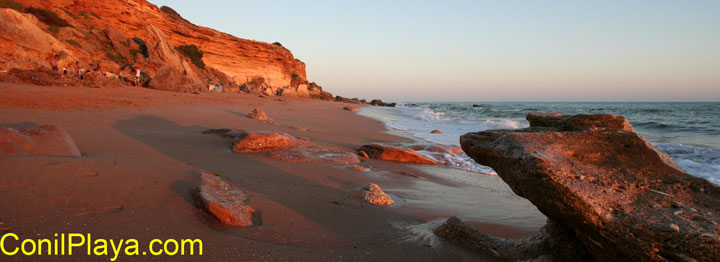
(378, 102)
(476, 105)
(312, 153)
(384, 152)
(550, 243)
(605, 185)
(436, 132)
(350, 108)
(224, 201)
(43, 140)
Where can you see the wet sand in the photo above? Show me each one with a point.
(143, 151)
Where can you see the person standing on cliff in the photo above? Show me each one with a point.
(53, 62)
(137, 77)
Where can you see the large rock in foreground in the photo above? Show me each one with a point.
(224, 201)
(43, 140)
(373, 194)
(595, 176)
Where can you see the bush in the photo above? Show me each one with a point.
(278, 44)
(84, 14)
(48, 17)
(11, 4)
(95, 15)
(117, 58)
(192, 52)
(69, 13)
(143, 46)
(72, 42)
(54, 29)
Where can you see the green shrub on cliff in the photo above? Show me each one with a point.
(117, 58)
(48, 17)
(54, 29)
(69, 13)
(11, 4)
(73, 42)
(192, 52)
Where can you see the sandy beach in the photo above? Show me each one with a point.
(143, 151)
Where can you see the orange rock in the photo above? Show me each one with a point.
(436, 132)
(350, 108)
(258, 114)
(375, 195)
(261, 142)
(225, 201)
(43, 140)
(383, 152)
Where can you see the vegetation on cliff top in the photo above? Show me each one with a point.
(173, 14)
(192, 52)
(11, 4)
(48, 17)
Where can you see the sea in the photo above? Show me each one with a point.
(688, 132)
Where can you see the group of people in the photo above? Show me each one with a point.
(79, 71)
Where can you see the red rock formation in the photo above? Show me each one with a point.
(258, 114)
(113, 33)
(43, 140)
(388, 153)
(350, 108)
(224, 201)
(597, 179)
(261, 142)
(375, 195)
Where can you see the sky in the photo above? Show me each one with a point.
(488, 51)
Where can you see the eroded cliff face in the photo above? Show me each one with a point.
(107, 33)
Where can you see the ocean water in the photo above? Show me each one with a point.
(688, 132)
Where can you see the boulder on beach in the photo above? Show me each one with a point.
(350, 108)
(258, 114)
(42, 140)
(224, 201)
(263, 141)
(374, 195)
(595, 178)
(383, 152)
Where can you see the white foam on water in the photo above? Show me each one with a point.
(702, 162)
(418, 122)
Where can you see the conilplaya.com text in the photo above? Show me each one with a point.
(75, 243)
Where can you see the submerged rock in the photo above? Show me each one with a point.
(258, 114)
(383, 152)
(375, 195)
(602, 183)
(436, 132)
(315, 154)
(350, 108)
(224, 201)
(43, 140)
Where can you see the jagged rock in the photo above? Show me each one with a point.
(347, 100)
(550, 243)
(374, 195)
(436, 132)
(383, 152)
(258, 114)
(43, 140)
(224, 201)
(169, 79)
(263, 141)
(606, 185)
(378, 102)
(350, 108)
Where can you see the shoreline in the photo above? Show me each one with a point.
(143, 151)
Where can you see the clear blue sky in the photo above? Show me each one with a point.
(488, 50)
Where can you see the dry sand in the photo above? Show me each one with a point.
(143, 150)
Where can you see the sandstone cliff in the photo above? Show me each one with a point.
(119, 32)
